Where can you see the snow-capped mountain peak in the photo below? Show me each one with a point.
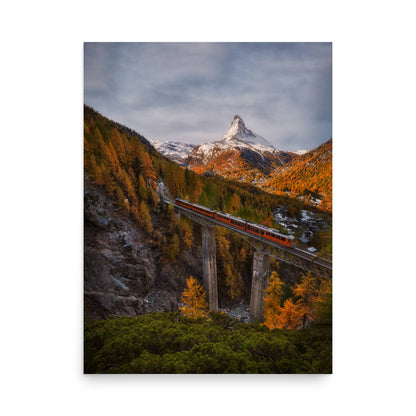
(238, 146)
(239, 131)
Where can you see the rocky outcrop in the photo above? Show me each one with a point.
(123, 271)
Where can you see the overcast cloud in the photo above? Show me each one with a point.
(191, 91)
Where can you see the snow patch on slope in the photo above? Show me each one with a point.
(173, 150)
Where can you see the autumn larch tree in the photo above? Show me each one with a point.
(142, 188)
(272, 301)
(146, 220)
(185, 231)
(290, 316)
(307, 292)
(148, 170)
(194, 302)
(323, 302)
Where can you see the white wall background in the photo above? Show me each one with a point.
(41, 210)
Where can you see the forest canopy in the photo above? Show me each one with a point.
(171, 343)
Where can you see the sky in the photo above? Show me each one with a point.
(190, 92)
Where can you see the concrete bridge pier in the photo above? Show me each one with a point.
(209, 266)
(261, 264)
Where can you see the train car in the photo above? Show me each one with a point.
(270, 234)
(265, 232)
(183, 203)
(203, 210)
(286, 240)
(229, 219)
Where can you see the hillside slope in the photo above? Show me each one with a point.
(124, 271)
(310, 175)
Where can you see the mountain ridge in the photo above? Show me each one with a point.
(173, 149)
(240, 155)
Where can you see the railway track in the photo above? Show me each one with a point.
(290, 251)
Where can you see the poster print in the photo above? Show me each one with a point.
(207, 208)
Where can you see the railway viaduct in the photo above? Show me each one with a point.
(264, 249)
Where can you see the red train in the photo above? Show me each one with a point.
(265, 232)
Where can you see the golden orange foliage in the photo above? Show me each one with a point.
(307, 292)
(186, 233)
(311, 172)
(323, 302)
(194, 302)
(146, 220)
(311, 302)
(148, 169)
(272, 301)
(290, 316)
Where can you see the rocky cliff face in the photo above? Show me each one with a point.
(123, 274)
